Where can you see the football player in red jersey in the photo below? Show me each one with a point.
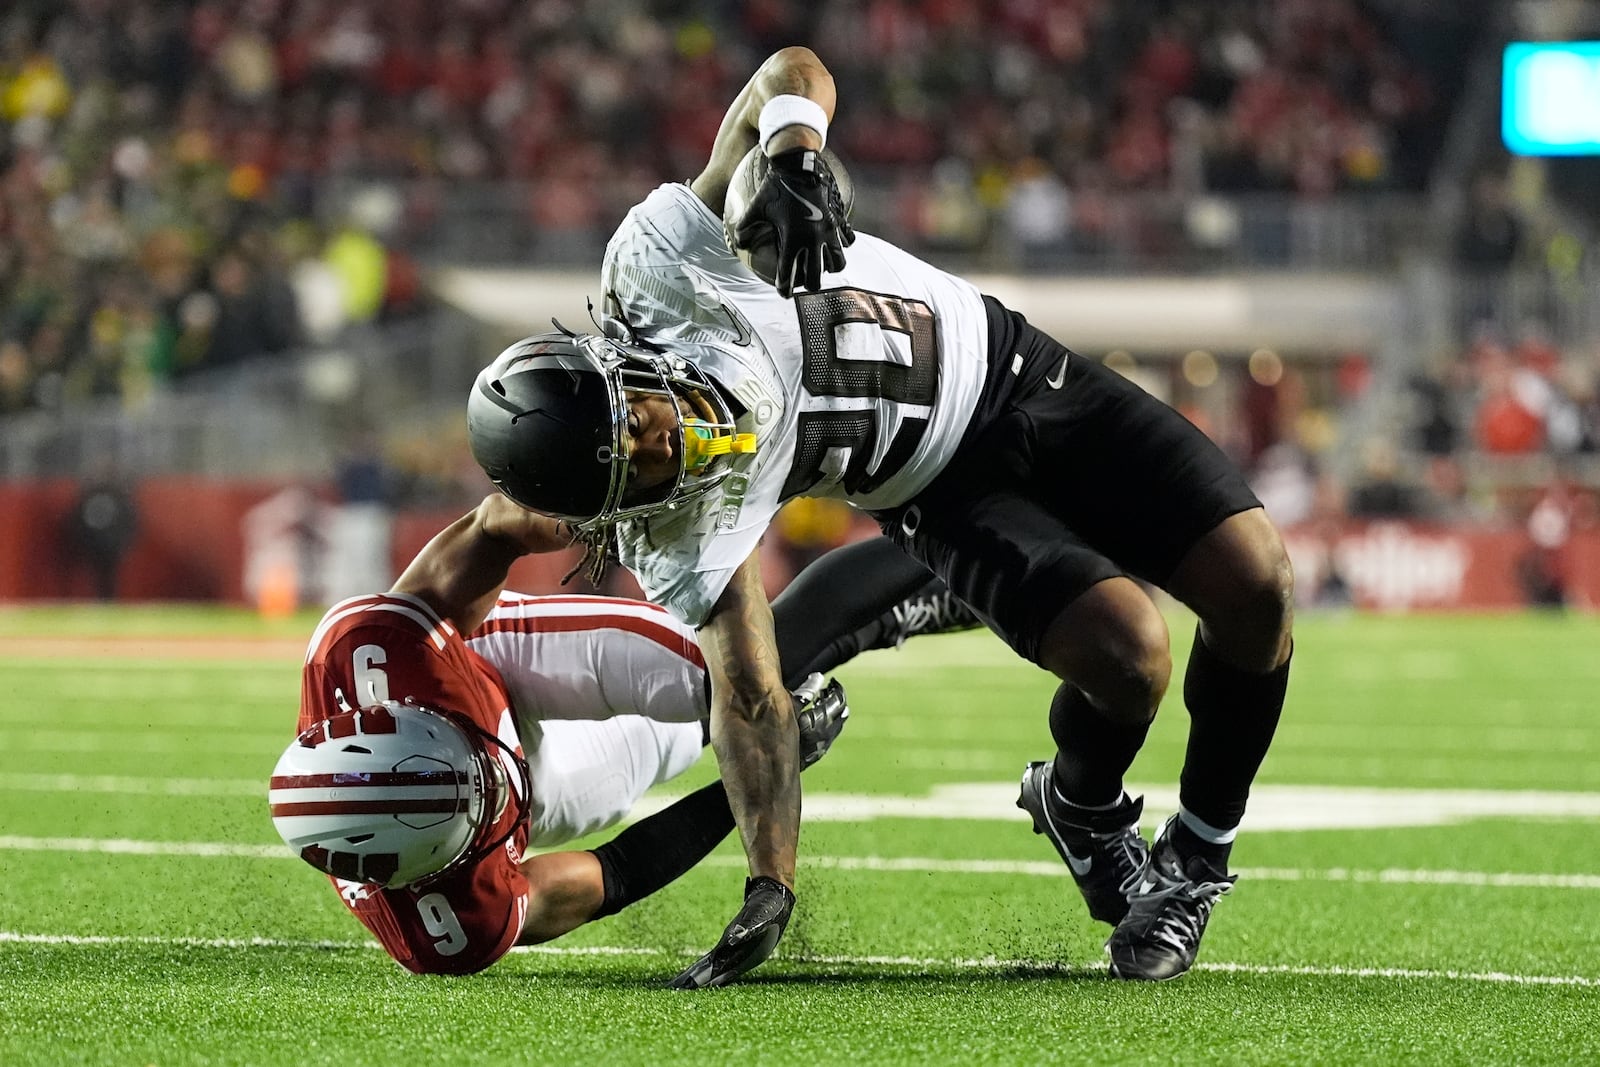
(447, 726)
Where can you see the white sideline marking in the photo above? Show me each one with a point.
(982, 963)
(181, 740)
(127, 847)
(1272, 807)
(886, 864)
(119, 783)
(1047, 869)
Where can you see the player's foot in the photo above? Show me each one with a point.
(1102, 848)
(929, 613)
(1169, 906)
(821, 711)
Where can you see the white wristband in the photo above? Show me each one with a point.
(789, 110)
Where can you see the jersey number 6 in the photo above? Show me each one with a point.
(849, 353)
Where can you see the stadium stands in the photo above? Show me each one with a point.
(190, 187)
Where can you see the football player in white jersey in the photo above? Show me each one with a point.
(1040, 486)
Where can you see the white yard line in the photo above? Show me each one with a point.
(1272, 807)
(183, 741)
(120, 783)
(881, 864)
(983, 963)
(1049, 869)
(126, 847)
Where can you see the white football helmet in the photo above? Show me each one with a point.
(395, 794)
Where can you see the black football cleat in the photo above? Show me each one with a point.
(1169, 905)
(1102, 849)
(928, 613)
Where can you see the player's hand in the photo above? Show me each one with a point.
(797, 202)
(748, 940)
(820, 712)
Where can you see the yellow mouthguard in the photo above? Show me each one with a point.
(702, 442)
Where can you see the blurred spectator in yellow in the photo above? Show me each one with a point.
(808, 528)
(359, 263)
(39, 90)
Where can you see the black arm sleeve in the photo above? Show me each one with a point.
(824, 616)
(833, 609)
(656, 850)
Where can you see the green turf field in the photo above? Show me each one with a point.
(1422, 884)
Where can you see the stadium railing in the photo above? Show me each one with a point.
(1145, 232)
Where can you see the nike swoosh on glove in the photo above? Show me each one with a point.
(797, 200)
(748, 940)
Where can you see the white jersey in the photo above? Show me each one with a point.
(592, 657)
(567, 660)
(860, 392)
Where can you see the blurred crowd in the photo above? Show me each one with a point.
(186, 184)
(138, 244)
(169, 168)
(1502, 435)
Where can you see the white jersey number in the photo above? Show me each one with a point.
(440, 921)
(861, 346)
(372, 682)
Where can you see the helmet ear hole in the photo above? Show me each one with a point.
(357, 748)
(359, 838)
(498, 387)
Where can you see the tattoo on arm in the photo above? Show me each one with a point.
(753, 730)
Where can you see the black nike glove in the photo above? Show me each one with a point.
(797, 201)
(748, 940)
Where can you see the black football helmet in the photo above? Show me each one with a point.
(547, 421)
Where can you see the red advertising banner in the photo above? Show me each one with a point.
(1408, 566)
(202, 540)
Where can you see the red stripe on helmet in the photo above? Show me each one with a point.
(369, 807)
(373, 778)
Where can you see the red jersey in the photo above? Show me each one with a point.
(395, 647)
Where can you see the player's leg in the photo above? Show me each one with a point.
(1238, 580)
(1170, 507)
(588, 775)
(864, 595)
(1110, 647)
(568, 889)
(1071, 610)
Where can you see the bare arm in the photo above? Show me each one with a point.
(565, 889)
(794, 70)
(462, 570)
(753, 728)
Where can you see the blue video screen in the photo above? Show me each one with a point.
(1551, 98)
